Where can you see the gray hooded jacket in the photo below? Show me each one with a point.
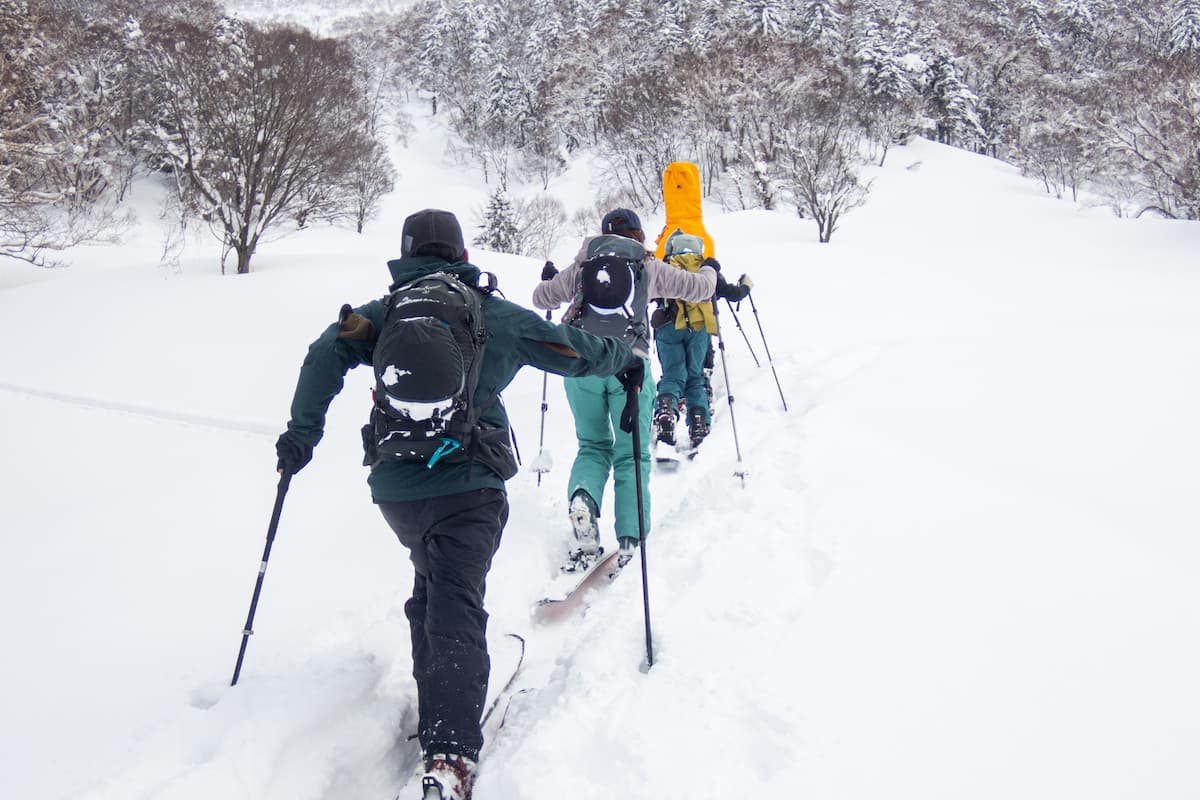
(658, 279)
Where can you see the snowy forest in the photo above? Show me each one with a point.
(259, 127)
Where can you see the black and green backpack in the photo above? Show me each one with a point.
(427, 361)
(610, 292)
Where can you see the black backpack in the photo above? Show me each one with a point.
(611, 289)
(427, 360)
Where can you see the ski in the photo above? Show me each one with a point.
(496, 712)
(666, 457)
(553, 609)
(506, 689)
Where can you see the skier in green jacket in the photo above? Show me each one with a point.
(449, 514)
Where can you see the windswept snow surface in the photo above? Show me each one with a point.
(963, 564)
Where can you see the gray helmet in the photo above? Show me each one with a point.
(680, 243)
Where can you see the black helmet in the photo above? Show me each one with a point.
(432, 232)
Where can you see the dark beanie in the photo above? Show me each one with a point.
(620, 220)
(432, 232)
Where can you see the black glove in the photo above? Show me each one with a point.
(723, 288)
(633, 375)
(631, 379)
(549, 271)
(711, 262)
(293, 453)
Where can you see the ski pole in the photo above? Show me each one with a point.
(770, 361)
(738, 322)
(284, 479)
(539, 464)
(632, 402)
(739, 471)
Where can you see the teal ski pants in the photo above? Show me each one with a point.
(681, 354)
(596, 404)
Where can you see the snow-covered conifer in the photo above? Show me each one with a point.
(1183, 34)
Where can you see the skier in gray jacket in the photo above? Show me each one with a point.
(596, 403)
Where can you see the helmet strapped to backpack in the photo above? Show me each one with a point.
(427, 361)
(681, 243)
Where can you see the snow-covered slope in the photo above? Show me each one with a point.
(963, 565)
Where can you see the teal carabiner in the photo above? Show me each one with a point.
(448, 446)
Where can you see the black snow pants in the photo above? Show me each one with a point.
(451, 540)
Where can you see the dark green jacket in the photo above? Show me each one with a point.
(516, 337)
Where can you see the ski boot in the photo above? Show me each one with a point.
(448, 777)
(665, 416)
(708, 390)
(586, 549)
(698, 428)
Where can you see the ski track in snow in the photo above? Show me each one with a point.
(144, 411)
(703, 538)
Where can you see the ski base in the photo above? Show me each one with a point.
(553, 609)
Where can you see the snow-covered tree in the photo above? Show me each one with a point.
(1076, 19)
(799, 137)
(819, 24)
(1055, 142)
(954, 104)
(58, 133)
(500, 129)
(1149, 124)
(881, 69)
(1032, 23)
(257, 126)
(669, 27)
(647, 131)
(432, 52)
(499, 231)
(540, 222)
(1183, 34)
(764, 17)
(820, 169)
(710, 27)
(370, 176)
(890, 109)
